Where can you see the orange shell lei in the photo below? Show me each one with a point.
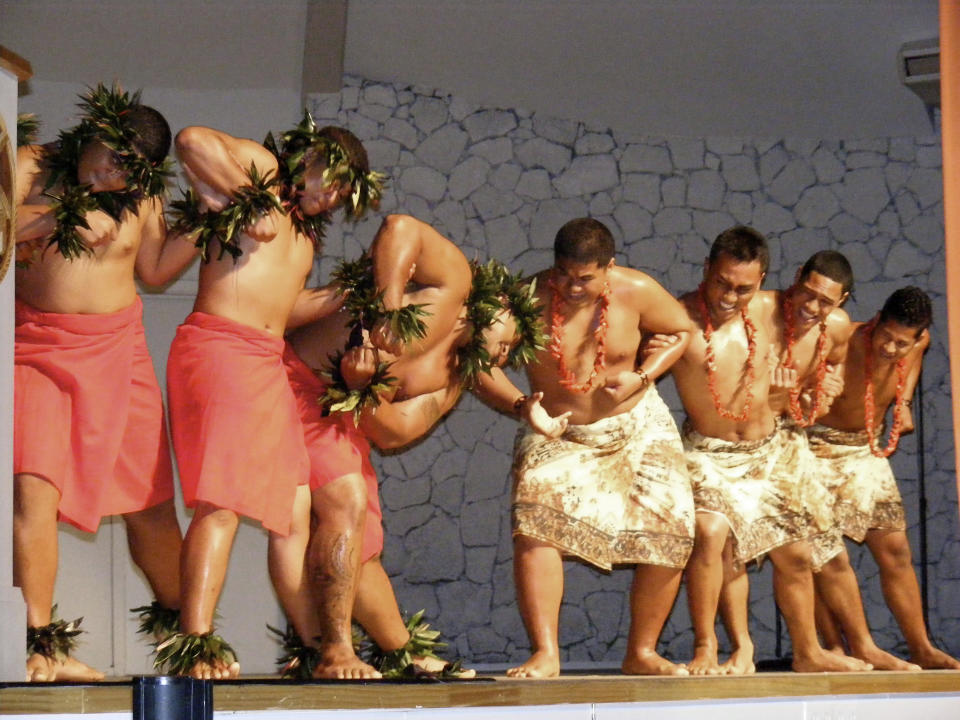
(567, 378)
(711, 361)
(796, 412)
(869, 406)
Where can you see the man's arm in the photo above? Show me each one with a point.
(313, 304)
(666, 319)
(216, 164)
(498, 391)
(395, 424)
(161, 256)
(35, 219)
(661, 313)
(407, 249)
(914, 366)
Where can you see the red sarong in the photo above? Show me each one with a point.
(88, 413)
(233, 417)
(336, 447)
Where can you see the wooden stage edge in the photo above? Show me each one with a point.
(250, 694)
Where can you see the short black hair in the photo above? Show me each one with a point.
(153, 134)
(584, 240)
(831, 264)
(909, 306)
(742, 243)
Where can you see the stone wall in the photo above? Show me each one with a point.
(500, 182)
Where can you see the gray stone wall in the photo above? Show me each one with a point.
(500, 182)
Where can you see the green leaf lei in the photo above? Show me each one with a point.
(494, 289)
(55, 640)
(291, 152)
(179, 652)
(27, 127)
(103, 121)
(156, 620)
(365, 307)
(299, 660)
(248, 203)
(339, 397)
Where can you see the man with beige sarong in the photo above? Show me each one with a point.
(611, 489)
(743, 464)
(882, 368)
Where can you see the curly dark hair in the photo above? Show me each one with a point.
(909, 306)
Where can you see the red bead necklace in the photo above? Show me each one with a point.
(711, 361)
(796, 412)
(567, 378)
(869, 406)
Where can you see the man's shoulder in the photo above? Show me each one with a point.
(839, 325)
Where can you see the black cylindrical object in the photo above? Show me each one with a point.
(161, 697)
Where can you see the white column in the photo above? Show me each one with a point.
(13, 613)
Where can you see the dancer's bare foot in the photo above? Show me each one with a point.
(821, 660)
(882, 660)
(40, 668)
(931, 658)
(740, 662)
(705, 661)
(216, 670)
(342, 663)
(648, 662)
(436, 665)
(542, 664)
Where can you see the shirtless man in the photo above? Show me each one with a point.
(883, 355)
(610, 488)
(236, 432)
(82, 369)
(428, 383)
(742, 480)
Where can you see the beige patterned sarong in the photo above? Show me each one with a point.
(864, 488)
(753, 485)
(825, 538)
(614, 491)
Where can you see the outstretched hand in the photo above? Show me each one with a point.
(540, 420)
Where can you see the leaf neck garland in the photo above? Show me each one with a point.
(104, 121)
(493, 289)
(55, 640)
(248, 203)
(292, 150)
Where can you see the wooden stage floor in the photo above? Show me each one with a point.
(255, 694)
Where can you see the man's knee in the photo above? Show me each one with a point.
(892, 550)
(793, 558)
(711, 533)
(345, 496)
(34, 498)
